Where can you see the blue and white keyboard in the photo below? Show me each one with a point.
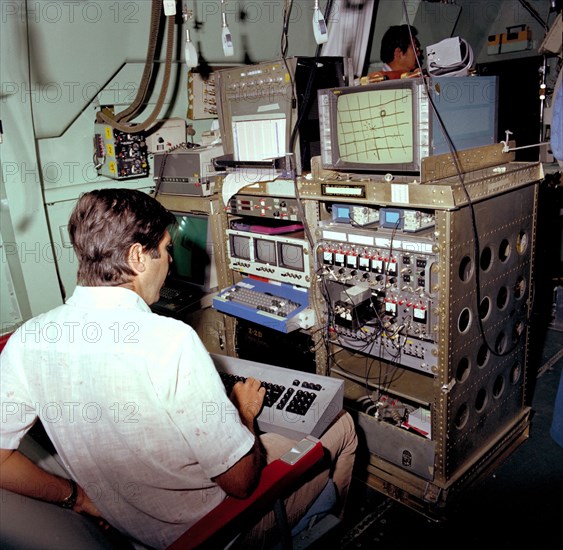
(278, 306)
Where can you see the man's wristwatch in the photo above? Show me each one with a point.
(70, 500)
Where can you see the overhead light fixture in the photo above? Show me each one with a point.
(169, 7)
(226, 36)
(190, 53)
(319, 25)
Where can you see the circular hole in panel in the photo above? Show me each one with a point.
(500, 344)
(482, 355)
(504, 250)
(515, 372)
(461, 416)
(486, 258)
(502, 297)
(464, 320)
(465, 268)
(522, 242)
(481, 400)
(498, 386)
(520, 287)
(462, 370)
(485, 307)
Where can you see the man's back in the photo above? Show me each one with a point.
(134, 406)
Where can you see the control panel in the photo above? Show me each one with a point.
(382, 292)
(120, 155)
(274, 207)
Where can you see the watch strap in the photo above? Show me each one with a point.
(70, 501)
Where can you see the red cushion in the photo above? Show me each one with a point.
(276, 480)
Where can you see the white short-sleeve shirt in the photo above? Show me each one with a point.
(133, 404)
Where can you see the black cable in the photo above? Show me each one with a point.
(285, 29)
(291, 144)
(534, 14)
(29, 214)
(300, 118)
(460, 175)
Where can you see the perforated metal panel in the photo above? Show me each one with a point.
(479, 292)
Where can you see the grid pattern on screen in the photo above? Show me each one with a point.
(376, 126)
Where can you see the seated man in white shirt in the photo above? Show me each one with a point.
(121, 392)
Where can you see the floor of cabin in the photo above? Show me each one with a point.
(519, 505)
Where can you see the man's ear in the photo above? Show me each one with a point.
(136, 258)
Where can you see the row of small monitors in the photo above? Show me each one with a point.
(284, 253)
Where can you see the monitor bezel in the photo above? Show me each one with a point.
(210, 282)
(280, 256)
(328, 113)
(231, 246)
(273, 248)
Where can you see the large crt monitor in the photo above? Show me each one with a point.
(192, 274)
(192, 252)
(391, 126)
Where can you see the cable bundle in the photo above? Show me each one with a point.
(443, 58)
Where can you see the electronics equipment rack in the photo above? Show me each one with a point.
(471, 376)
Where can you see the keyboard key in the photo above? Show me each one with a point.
(299, 404)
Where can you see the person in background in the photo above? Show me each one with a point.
(131, 400)
(397, 50)
(400, 58)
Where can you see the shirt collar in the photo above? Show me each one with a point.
(106, 297)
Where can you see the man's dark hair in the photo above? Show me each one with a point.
(397, 36)
(105, 224)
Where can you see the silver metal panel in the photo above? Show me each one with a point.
(481, 285)
(447, 193)
(484, 372)
(413, 453)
